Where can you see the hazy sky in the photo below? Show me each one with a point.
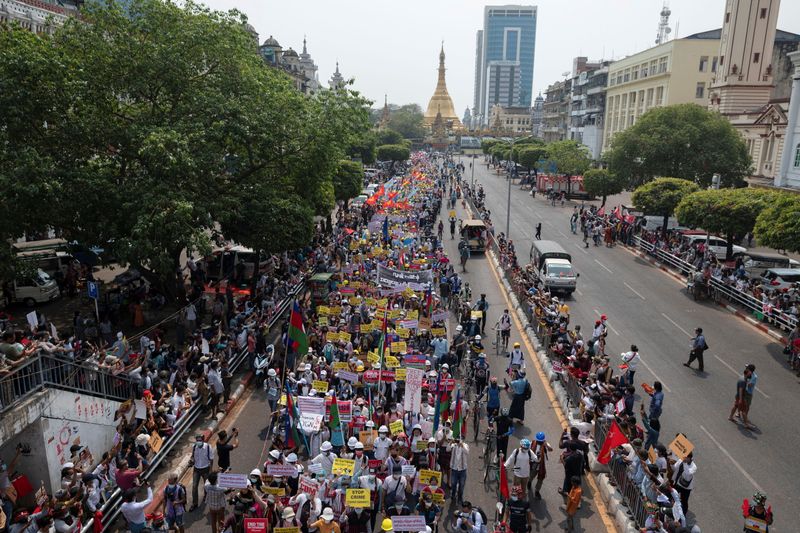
(392, 46)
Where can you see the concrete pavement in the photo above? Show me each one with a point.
(651, 309)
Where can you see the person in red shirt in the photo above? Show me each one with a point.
(127, 478)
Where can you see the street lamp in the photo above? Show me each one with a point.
(508, 200)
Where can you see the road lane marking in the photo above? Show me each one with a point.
(581, 248)
(579, 292)
(562, 233)
(602, 265)
(735, 373)
(598, 313)
(634, 291)
(734, 461)
(605, 516)
(676, 325)
(655, 375)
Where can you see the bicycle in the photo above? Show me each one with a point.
(480, 402)
(498, 341)
(491, 461)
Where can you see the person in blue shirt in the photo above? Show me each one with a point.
(440, 348)
(492, 398)
(519, 387)
(656, 401)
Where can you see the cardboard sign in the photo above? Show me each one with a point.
(372, 357)
(399, 347)
(475, 315)
(343, 467)
(392, 362)
(396, 427)
(232, 481)
(755, 524)
(340, 365)
(426, 475)
(156, 442)
(374, 464)
(409, 470)
(275, 491)
(346, 375)
(400, 374)
(41, 496)
(310, 422)
(309, 486)
(425, 323)
(367, 438)
(403, 333)
(681, 446)
(358, 498)
(408, 523)
(652, 455)
(320, 386)
(281, 470)
(255, 525)
(438, 332)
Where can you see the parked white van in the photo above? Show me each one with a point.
(36, 288)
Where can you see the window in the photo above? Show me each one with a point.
(797, 157)
(703, 63)
(650, 97)
(763, 12)
(714, 64)
(662, 65)
(635, 74)
(721, 60)
(627, 76)
(699, 92)
(659, 95)
(727, 17)
(756, 57)
(644, 71)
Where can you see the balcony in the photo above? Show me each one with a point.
(596, 90)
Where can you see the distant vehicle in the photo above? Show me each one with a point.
(31, 289)
(359, 200)
(553, 267)
(780, 278)
(718, 245)
(474, 231)
(231, 261)
(756, 263)
(655, 223)
(370, 172)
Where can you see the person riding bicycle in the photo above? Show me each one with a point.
(516, 358)
(459, 344)
(505, 428)
(481, 371)
(476, 346)
(521, 462)
(504, 325)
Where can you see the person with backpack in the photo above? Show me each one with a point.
(522, 462)
(202, 458)
(522, 392)
(174, 504)
(518, 513)
(481, 372)
(471, 520)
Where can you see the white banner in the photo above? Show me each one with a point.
(413, 397)
(310, 423)
(309, 405)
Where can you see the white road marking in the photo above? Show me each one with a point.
(635, 291)
(656, 376)
(734, 461)
(548, 223)
(581, 248)
(602, 265)
(676, 325)
(598, 313)
(579, 292)
(562, 233)
(735, 373)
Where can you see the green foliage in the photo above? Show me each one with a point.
(408, 121)
(728, 212)
(488, 144)
(600, 182)
(685, 141)
(501, 152)
(570, 157)
(348, 180)
(364, 147)
(529, 155)
(393, 152)
(778, 225)
(661, 196)
(388, 136)
(153, 126)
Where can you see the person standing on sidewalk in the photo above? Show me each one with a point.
(202, 458)
(698, 347)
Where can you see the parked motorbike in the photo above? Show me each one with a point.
(262, 364)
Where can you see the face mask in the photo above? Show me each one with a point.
(396, 476)
(398, 506)
(359, 511)
(359, 453)
(433, 486)
(431, 448)
(327, 452)
(514, 498)
(428, 504)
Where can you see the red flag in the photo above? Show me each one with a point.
(503, 481)
(615, 437)
(617, 213)
(602, 211)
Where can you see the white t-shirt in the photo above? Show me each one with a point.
(520, 462)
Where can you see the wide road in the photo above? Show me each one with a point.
(540, 415)
(651, 309)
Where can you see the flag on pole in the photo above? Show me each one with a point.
(438, 403)
(617, 213)
(334, 421)
(290, 431)
(601, 212)
(458, 427)
(297, 332)
(503, 482)
(615, 437)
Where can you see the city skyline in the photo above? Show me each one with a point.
(384, 47)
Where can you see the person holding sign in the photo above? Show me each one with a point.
(430, 511)
(326, 457)
(683, 478)
(326, 524)
(757, 517)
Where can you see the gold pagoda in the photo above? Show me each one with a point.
(441, 102)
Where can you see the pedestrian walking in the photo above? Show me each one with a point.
(174, 504)
(522, 393)
(539, 231)
(520, 462)
(541, 448)
(133, 511)
(202, 458)
(683, 479)
(699, 346)
(741, 404)
(225, 445)
(459, 459)
(518, 513)
(573, 502)
(215, 502)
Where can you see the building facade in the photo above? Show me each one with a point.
(503, 85)
(676, 72)
(555, 111)
(588, 104)
(38, 16)
(536, 116)
(300, 67)
(789, 174)
(508, 37)
(510, 120)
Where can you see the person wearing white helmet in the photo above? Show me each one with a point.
(476, 346)
(272, 385)
(459, 344)
(325, 457)
(382, 443)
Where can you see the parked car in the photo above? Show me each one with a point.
(756, 263)
(780, 278)
(718, 245)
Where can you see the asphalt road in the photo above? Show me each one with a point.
(250, 418)
(651, 309)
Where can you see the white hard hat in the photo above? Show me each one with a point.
(351, 442)
(275, 454)
(291, 458)
(255, 472)
(359, 445)
(370, 424)
(271, 373)
(416, 426)
(325, 446)
(383, 429)
(459, 328)
(477, 337)
(446, 366)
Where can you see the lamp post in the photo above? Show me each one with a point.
(508, 200)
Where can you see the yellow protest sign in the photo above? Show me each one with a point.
(412, 315)
(340, 365)
(344, 336)
(424, 323)
(357, 498)
(438, 332)
(391, 362)
(372, 302)
(399, 347)
(426, 475)
(332, 336)
(396, 427)
(403, 333)
(476, 315)
(394, 313)
(422, 445)
(356, 284)
(372, 357)
(437, 498)
(400, 374)
(283, 399)
(383, 302)
(336, 310)
(343, 467)
(681, 446)
(275, 491)
(367, 438)
(323, 310)
(320, 386)
(452, 213)
(323, 321)
(355, 300)
(286, 530)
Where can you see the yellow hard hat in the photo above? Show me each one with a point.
(386, 525)
(516, 345)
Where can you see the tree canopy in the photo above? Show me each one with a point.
(348, 180)
(408, 121)
(778, 224)
(150, 153)
(569, 157)
(388, 136)
(661, 196)
(529, 155)
(393, 152)
(728, 212)
(600, 182)
(684, 141)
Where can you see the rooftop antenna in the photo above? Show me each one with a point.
(663, 25)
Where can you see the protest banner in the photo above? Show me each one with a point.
(409, 470)
(357, 498)
(396, 427)
(408, 523)
(343, 467)
(346, 375)
(232, 481)
(426, 475)
(413, 396)
(367, 438)
(281, 470)
(255, 525)
(389, 277)
(308, 486)
(311, 405)
(320, 386)
(400, 374)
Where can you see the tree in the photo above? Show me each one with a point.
(348, 180)
(685, 141)
(501, 152)
(488, 144)
(778, 225)
(363, 148)
(570, 158)
(388, 136)
(728, 212)
(408, 121)
(601, 182)
(393, 152)
(661, 196)
(530, 154)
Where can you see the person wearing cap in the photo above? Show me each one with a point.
(326, 523)
(757, 516)
(288, 518)
(459, 344)
(174, 503)
(215, 501)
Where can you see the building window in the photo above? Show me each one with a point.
(699, 92)
(756, 57)
(703, 63)
(721, 60)
(662, 65)
(659, 95)
(763, 12)
(635, 74)
(714, 64)
(627, 76)
(797, 157)
(727, 17)
(644, 71)
(649, 98)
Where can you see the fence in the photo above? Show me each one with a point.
(111, 508)
(733, 295)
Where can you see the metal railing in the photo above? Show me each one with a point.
(747, 301)
(111, 509)
(43, 371)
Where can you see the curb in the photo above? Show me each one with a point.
(734, 311)
(207, 432)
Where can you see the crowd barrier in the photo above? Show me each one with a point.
(111, 508)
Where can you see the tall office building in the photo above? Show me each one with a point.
(504, 59)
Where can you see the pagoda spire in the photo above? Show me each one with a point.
(441, 101)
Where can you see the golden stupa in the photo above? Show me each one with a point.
(441, 101)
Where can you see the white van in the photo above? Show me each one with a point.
(718, 245)
(33, 289)
(655, 223)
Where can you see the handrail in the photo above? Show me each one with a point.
(111, 509)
